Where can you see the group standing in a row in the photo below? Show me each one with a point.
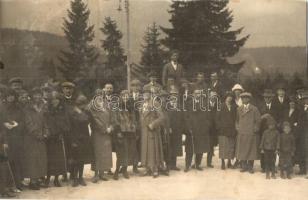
(55, 130)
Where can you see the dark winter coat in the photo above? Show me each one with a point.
(79, 136)
(58, 124)
(225, 121)
(270, 140)
(198, 124)
(15, 137)
(35, 150)
(176, 125)
(280, 109)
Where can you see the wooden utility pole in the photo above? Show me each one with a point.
(128, 61)
(306, 39)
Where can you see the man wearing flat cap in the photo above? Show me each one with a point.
(68, 89)
(173, 69)
(247, 125)
(153, 85)
(16, 84)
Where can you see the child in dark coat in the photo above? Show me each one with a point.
(270, 145)
(287, 150)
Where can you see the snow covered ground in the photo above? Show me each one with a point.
(209, 184)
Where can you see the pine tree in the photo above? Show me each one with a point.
(152, 57)
(201, 33)
(76, 62)
(115, 65)
(295, 82)
(48, 68)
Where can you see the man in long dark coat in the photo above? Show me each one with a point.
(79, 140)
(291, 115)
(58, 124)
(176, 122)
(4, 168)
(70, 94)
(13, 117)
(198, 124)
(35, 152)
(214, 105)
(303, 134)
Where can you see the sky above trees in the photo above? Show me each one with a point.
(270, 22)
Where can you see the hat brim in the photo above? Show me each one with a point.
(268, 95)
(246, 96)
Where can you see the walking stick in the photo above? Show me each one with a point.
(10, 170)
(11, 174)
(64, 154)
(193, 148)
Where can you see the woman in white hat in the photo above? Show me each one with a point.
(237, 89)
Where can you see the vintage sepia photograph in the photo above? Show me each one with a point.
(154, 99)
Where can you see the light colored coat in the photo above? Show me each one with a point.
(247, 126)
(101, 120)
(151, 142)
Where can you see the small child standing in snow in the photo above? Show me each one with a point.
(287, 149)
(270, 145)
